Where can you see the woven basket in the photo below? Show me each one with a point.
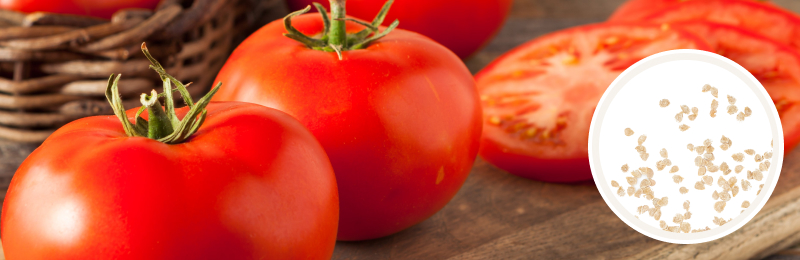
(54, 68)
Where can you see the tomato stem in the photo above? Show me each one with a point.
(334, 35)
(159, 125)
(338, 34)
(163, 125)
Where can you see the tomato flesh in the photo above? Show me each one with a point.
(538, 99)
(775, 65)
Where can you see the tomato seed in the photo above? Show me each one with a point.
(732, 109)
(685, 109)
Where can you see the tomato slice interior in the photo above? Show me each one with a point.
(775, 65)
(637, 10)
(538, 99)
(767, 20)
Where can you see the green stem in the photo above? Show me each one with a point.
(334, 37)
(159, 124)
(163, 126)
(338, 35)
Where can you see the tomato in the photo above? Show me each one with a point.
(463, 26)
(636, 10)
(399, 118)
(251, 183)
(97, 8)
(775, 65)
(767, 20)
(538, 98)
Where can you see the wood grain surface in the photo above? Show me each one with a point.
(500, 216)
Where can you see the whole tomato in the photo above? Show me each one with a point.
(399, 116)
(97, 8)
(463, 26)
(251, 183)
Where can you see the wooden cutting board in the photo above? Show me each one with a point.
(500, 216)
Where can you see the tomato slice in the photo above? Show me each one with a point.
(775, 65)
(538, 99)
(637, 10)
(767, 20)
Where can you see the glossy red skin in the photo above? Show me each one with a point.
(463, 26)
(517, 163)
(97, 8)
(252, 183)
(766, 20)
(637, 10)
(400, 120)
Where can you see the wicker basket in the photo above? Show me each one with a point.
(54, 68)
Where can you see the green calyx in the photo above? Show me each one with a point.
(334, 38)
(163, 124)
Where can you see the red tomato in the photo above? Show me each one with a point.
(767, 20)
(252, 183)
(97, 8)
(463, 26)
(538, 99)
(399, 119)
(775, 65)
(636, 10)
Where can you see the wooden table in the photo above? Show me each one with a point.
(501, 216)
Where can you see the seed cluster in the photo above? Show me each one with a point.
(519, 123)
(742, 115)
(693, 112)
(641, 149)
(725, 143)
(713, 173)
(708, 88)
(732, 109)
(714, 106)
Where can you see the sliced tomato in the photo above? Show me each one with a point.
(538, 99)
(636, 10)
(775, 65)
(767, 20)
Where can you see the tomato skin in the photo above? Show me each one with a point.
(463, 26)
(558, 170)
(637, 10)
(400, 120)
(97, 8)
(767, 20)
(252, 183)
(561, 75)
